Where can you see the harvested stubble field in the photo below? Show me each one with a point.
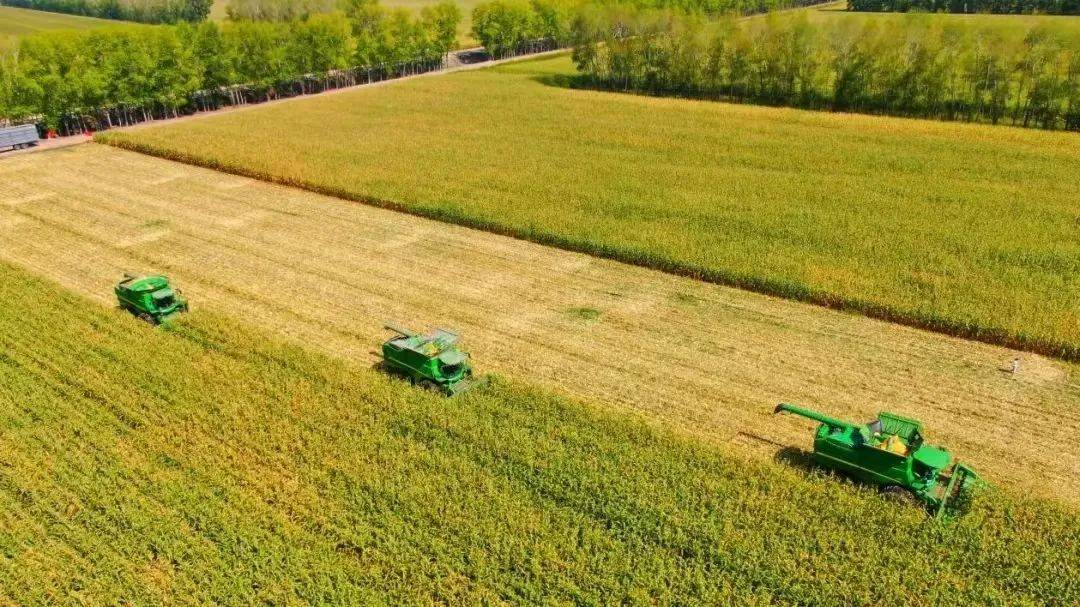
(968, 229)
(708, 360)
(206, 464)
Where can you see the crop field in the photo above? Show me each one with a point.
(218, 12)
(640, 280)
(706, 360)
(1005, 22)
(465, 38)
(20, 21)
(208, 464)
(966, 229)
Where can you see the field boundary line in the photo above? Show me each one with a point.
(1063, 350)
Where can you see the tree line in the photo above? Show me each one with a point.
(141, 11)
(100, 78)
(1010, 7)
(512, 27)
(916, 66)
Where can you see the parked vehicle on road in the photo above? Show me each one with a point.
(18, 137)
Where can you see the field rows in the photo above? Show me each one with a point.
(206, 464)
(708, 360)
(966, 229)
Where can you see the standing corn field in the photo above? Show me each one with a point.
(207, 464)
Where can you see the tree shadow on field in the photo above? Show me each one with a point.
(579, 82)
(563, 81)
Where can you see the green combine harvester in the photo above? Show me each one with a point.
(890, 452)
(431, 361)
(150, 298)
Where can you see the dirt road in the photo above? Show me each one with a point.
(706, 359)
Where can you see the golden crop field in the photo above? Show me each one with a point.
(203, 463)
(967, 229)
(1012, 26)
(707, 360)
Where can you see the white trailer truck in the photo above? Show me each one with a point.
(18, 137)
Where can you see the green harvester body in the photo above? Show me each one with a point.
(151, 298)
(890, 452)
(432, 361)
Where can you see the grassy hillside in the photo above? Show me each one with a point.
(20, 21)
(205, 464)
(967, 229)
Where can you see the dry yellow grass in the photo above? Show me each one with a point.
(705, 359)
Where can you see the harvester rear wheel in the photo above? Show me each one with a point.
(899, 495)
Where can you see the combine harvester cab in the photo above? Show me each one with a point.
(150, 298)
(432, 361)
(890, 452)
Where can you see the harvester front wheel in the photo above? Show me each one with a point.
(143, 316)
(429, 385)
